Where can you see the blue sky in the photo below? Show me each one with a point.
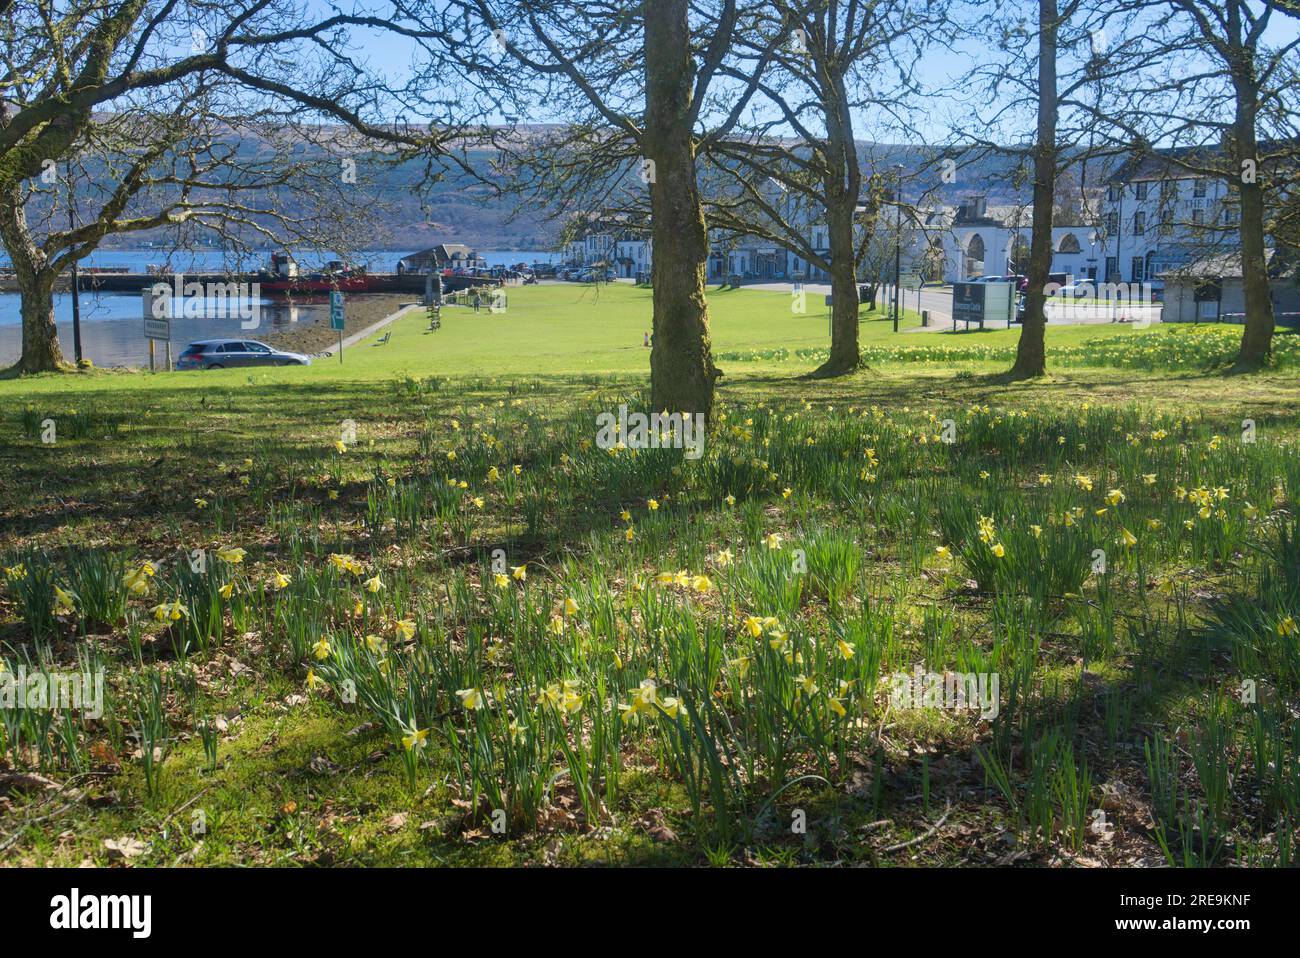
(940, 69)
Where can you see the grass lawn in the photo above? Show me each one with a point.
(406, 611)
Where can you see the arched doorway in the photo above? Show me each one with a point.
(973, 258)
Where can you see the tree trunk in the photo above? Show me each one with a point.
(842, 183)
(1031, 354)
(844, 356)
(682, 373)
(1257, 338)
(41, 352)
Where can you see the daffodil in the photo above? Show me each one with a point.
(471, 698)
(373, 585)
(846, 650)
(226, 590)
(772, 540)
(233, 555)
(137, 580)
(64, 602)
(278, 581)
(321, 649)
(404, 629)
(570, 606)
(415, 738)
(170, 612)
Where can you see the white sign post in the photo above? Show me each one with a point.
(157, 300)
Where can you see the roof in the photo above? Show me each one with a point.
(1166, 163)
(1227, 265)
(442, 253)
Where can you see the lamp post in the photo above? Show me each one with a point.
(76, 283)
(898, 239)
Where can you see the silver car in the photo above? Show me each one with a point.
(230, 353)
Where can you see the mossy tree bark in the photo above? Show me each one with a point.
(41, 351)
(842, 183)
(1257, 337)
(1031, 355)
(682, 373)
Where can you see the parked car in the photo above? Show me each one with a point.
(1075, 290)
(231, 353)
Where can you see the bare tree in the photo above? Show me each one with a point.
(1053, 69)
(641, 91)
(87, 76)
(838, 58)
(1223, 96)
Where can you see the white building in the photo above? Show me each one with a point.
(1158, 217)
(980, 240)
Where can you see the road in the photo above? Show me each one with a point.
(938, 300)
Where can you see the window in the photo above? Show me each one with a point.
(1198, 189)
(1166, 222)
(1198, 217)
(1168, 189)
(1112, 224)
(255, 348)
(1113, 194)
(231, 348)
(1112, 269)
(1141, 189)
(1136, 268)
(1139, 223)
